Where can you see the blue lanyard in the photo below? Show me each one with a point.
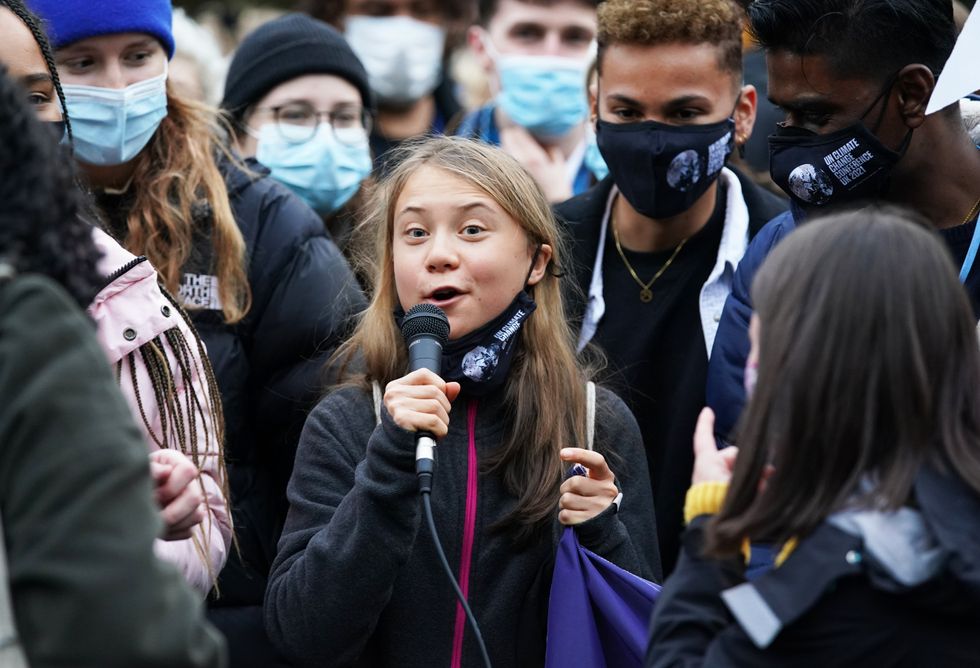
(971, 255)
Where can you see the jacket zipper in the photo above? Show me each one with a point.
(110, 279)
(469, 534)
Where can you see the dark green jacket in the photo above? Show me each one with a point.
(77, 504)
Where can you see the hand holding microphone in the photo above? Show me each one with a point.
(421, 401)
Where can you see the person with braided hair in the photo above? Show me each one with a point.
(76, 493)
(266, 287)
(159, 360)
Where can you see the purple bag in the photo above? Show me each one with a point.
(598, 613)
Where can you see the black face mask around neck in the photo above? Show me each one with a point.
(480, 361)
(662, 170)
(839, 168)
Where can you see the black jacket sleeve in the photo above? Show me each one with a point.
(352, 524)
(690, 613)
(306, 303)
(78, 510)
(628, 538)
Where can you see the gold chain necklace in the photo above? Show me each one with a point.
(646, 294)
(973, 210)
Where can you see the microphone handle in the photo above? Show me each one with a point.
(425, 352)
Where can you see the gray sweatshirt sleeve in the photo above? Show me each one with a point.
(628, 538)
(352, 524)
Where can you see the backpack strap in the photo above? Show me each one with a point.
(376, 391)
(590, 415)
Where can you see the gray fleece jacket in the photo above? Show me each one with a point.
(357, 581)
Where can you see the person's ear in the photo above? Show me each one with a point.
(594, 100)
(914, 87)
(475, 39)
(745, 113)
(541, 261)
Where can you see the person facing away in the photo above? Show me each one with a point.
(269, 292)
(76, 495)
(655, 244)
(160, 363)
(460, 225)
(536, 55)
(402, 44)
(854, 78)
(300, 103)
(858, 455)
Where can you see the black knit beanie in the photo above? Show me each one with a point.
(284, 49)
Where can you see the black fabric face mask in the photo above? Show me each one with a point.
(663, 169)
(834, 169)
(480, 361)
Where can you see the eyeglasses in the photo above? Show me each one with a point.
(298, 122)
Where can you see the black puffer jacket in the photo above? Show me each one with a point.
(270, 366)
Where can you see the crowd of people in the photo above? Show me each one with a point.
(708, 273)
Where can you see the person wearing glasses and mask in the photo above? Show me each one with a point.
(656, 243)
(301, 105)
(537, 57)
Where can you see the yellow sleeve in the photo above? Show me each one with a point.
(704, 498)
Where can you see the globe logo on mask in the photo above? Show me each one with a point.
(684, 171)
(480, 363)
(810, 184)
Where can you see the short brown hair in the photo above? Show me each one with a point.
(488, 8)
(654, 22)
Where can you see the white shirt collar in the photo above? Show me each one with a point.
(734, 241)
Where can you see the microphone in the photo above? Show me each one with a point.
(426, 329)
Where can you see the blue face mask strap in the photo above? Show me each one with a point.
(971, 255)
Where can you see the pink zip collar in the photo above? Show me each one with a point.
(469, 534)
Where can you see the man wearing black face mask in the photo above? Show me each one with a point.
(656, 243)
(854, 78)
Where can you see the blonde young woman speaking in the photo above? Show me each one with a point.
(356, 582)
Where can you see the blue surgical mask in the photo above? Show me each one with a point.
(544, 94)
(323, 171)
(110, 126)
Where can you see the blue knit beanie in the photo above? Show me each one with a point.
(68, 21)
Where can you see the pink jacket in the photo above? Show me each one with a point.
(130, 312)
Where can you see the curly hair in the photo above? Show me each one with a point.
(41, 230)
(653, 22)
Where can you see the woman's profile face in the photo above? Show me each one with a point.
(111, 61)
(22, 57)
(454, 246)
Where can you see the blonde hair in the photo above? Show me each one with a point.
(176, 174)
(545, 391)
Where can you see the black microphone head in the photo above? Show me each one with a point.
(426, 320)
